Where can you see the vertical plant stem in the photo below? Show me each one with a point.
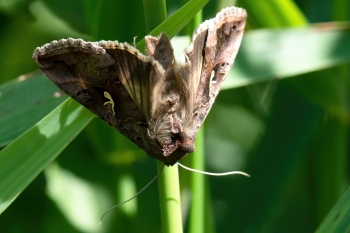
(197, 214)
(169, 197)
(168, 181)
(340, 10)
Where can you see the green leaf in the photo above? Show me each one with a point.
(24, 101)
(23, 159)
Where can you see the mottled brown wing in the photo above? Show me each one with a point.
(86, 71)
(213, 50)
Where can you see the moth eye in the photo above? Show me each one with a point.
(138, 138)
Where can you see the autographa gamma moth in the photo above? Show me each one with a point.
(156, 102)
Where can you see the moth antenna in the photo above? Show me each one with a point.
(135, 37)
(113, 207)
(214, 174)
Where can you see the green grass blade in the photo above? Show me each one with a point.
(25, 101)
(177, 21)
(155, 13)
(338, 219)
(288, 52)
(23, 159)
(294, 17)
(260, 14)
(274, 14)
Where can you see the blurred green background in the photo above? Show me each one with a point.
(282, 117)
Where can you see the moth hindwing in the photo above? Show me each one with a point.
(154, 101)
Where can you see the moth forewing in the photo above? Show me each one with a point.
(223, 38)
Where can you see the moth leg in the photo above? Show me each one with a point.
(111, 102)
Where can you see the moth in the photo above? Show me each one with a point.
(156, 102)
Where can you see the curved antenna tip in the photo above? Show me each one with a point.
(214, 174)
